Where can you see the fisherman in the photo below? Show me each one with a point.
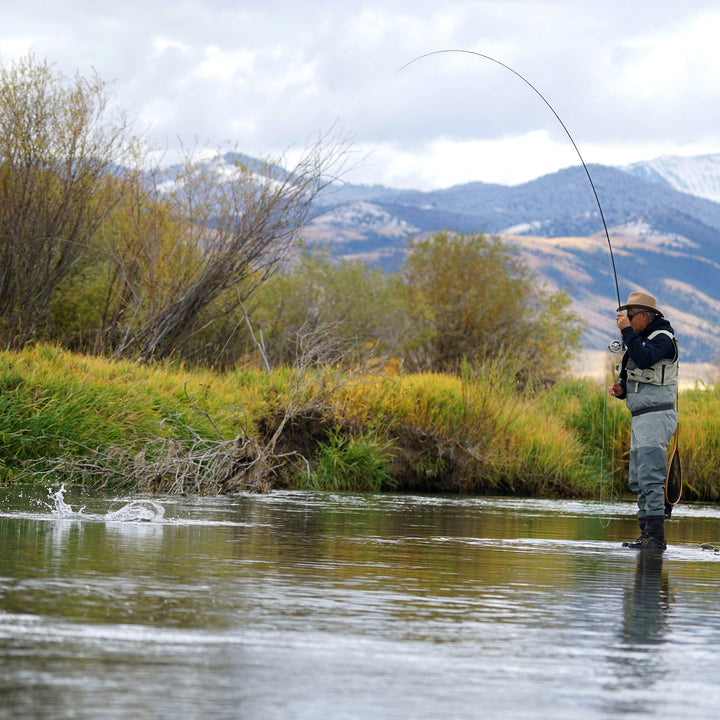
(648, 384)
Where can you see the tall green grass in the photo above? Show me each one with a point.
(699, 442)
(54, 403)
(473, 433)
(347, 462)
(601, 424)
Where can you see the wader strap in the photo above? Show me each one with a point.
(653, 408)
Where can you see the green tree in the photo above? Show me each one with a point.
(473, 297)
(172, 267)
(139, 257)
(363, 306)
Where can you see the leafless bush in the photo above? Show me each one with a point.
(171, 466)
(239, 222)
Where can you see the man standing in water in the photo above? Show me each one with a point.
(648, 384)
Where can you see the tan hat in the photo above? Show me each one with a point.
(641, 300)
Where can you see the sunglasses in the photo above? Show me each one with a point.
(630, 317)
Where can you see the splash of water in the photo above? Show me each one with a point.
(134, 511)
(138, 511)
(58, 505)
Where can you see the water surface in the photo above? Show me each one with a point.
(312, 605)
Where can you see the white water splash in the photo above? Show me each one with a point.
(58, 505)
(135, 511)
(138, 511)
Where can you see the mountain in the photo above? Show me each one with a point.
(662, 217)
(698, 175)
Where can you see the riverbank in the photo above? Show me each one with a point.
(90, 421)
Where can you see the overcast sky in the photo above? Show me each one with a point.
(631, 79)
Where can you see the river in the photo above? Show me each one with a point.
(302, 605)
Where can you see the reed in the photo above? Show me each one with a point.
(356, 463)
(600, 424)
(699, 442)
(472, 433)
(55, 403)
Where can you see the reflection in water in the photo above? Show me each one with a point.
(647, 602)
(642, 665)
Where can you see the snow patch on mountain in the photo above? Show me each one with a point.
(522, 228)
(365, 215)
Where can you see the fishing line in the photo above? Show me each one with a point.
(557, 117)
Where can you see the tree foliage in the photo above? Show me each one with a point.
(457, 298)
(362, 304)
(57, 147)
(472, 296)
(110, 255)
(232, 224)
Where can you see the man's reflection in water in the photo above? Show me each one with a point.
(636, 659)
(646, 602)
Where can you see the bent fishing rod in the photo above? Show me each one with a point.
(557, 117)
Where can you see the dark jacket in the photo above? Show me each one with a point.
(646, 353)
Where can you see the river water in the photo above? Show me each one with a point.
(300, 605)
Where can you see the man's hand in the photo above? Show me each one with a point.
(616, 390)
(622, 320)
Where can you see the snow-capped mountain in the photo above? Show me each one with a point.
(698, 175)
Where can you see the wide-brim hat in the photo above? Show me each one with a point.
(641, 300)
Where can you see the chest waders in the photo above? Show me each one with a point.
(651, 398)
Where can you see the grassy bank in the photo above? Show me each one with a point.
(87, 420)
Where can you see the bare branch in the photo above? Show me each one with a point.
(240, 220)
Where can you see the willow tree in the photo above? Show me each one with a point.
(232, 221)
(473, 297)
(59, 142)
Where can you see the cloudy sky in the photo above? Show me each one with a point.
(631, 79)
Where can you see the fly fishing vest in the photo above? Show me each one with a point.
(664, 372)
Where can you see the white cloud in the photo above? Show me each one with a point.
(444, 161)
(226, 66)
(628, 79)
(674, 61)
(16, 47)
(161, 44)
